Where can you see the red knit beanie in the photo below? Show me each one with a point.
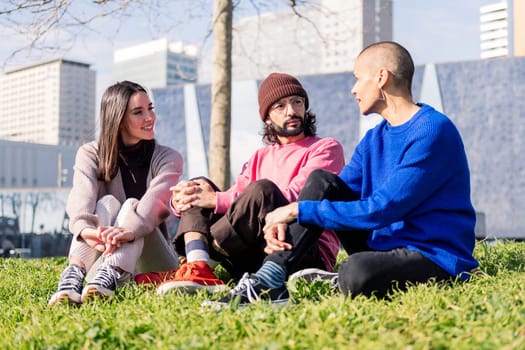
(277, 86)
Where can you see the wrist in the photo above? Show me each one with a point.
(295, 210)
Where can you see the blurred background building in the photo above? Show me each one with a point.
(502, 29)
(27, 165)
(321, 39)
(49, 103)
(156, 64)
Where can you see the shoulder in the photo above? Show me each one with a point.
(90, 147)
(327, 141)
(166, 151)
(316, 142)
(428, 115)
(433, 131)
(88, 151)
(87, 159)
(264, 150)
(435, 123)
(165, 154)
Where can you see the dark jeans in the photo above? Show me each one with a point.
(239, 231)
(380, 272)
(365, 271)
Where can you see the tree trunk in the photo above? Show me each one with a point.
(220, 124)
(34, 199)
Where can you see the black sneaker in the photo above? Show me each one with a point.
(70, 286)
(250, 290)
(103, 284)
(313, 274)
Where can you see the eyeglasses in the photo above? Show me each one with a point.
(280, 106)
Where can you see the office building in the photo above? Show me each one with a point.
(49, 103)
(156, 64)
(323, 38)
(30, 166)
(502, 29)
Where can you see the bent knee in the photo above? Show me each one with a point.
(356, 278)
(320, 174)
(262, 186)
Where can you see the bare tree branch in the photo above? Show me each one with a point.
(301, 16)
(54, 26)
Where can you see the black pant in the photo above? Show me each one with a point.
(380, 272)
(365, 271)
(239, 231)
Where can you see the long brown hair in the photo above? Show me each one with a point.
(113, 108)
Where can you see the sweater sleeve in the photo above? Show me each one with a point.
(428, 162)
(154, 206)
(82, 199)
(226, 198)
(326, 154)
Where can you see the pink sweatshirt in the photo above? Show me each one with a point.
(288, 166)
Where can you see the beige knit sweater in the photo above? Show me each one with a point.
(151, 210)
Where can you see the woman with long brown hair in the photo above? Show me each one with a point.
(119, 200)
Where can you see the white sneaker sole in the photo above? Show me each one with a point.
(313, 274)
(66, 297)
(189, 287)
(92, 291)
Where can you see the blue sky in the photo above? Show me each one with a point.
(432, 30)
(438, 30)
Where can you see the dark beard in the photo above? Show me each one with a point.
(284, 132)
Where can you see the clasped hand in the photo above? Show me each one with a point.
(106, 239)
(192, 193)
(275, 228)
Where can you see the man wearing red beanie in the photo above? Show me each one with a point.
(226, 226)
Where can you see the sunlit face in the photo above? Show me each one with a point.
(287, 116)
(366, 90)
(139, 121)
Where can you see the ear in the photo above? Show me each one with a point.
(382, 76)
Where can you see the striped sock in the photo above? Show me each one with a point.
(271, 274)
(197, 250)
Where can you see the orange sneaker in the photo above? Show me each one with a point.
(191, 277)
(155, 278)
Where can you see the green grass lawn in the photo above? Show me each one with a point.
(486, 313)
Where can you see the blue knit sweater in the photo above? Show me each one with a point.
(414, 183)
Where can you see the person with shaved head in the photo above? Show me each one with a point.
(401, 207)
